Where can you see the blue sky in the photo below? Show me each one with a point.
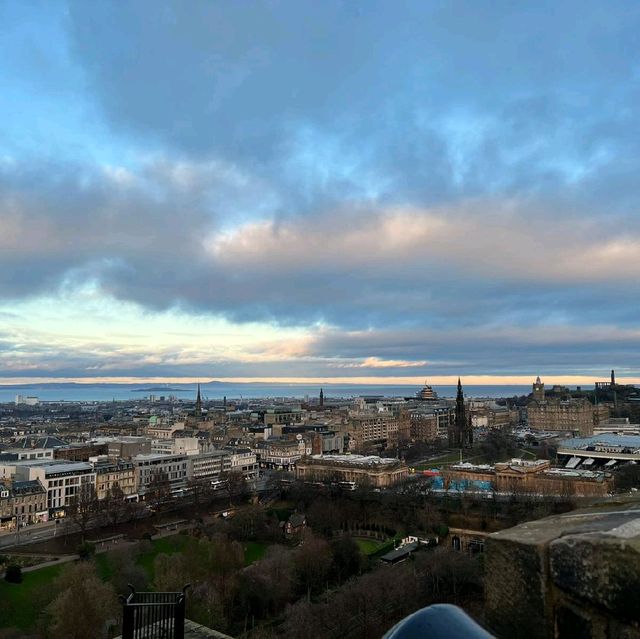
(288, 190)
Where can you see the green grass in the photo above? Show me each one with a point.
(166, 546)
(20, 604)
(104, 566)
(253, 551)
(368, 546)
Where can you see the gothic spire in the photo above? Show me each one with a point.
(198, 402)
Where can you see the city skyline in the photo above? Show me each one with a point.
(316, 192)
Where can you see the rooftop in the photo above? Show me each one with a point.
(47, 441)
(608, 439)
(355, 460)
(53, 465)
(156, 456)
(399, 553)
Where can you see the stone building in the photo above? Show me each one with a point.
(519, 476)
(372, 431)
(282, 454)
(423, 427)
(22, 503)
(378, 472)
(577, 415)
(109, 473)
(243, 460)
(81, 451)
(126, 447)
(564, 414)
(431, 421)
(283, 415)
(489, 415)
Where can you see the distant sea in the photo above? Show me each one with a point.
(70, 392)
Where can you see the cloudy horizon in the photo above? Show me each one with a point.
(319, 191)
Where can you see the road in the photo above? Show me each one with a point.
(30, 534)
(50, 529)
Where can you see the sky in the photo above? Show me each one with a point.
(336, 190)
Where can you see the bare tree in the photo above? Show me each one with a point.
(83, 508)
(200, 491)
(158, 490)
(83, 606)
(313, 563)
(236, 484)
(115, 506)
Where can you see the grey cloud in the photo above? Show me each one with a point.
(424, 101)
(157, 237)
(515, 124)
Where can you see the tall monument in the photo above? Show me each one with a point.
(461, 432)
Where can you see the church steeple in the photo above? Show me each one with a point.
(198, 403)
(321, 397)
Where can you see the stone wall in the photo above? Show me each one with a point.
(573, 575)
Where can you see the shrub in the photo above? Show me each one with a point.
(13, 574)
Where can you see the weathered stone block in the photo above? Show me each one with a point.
(602, 568)
(571, 575)
(516, 592)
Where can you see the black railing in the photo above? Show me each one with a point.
(153, 615)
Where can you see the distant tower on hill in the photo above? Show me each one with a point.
(613, 377)
(321, 397)
(538, 390)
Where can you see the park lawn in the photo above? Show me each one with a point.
(104, 566)
(368, 546)
(253, 550)
(19, 603)
(164, 546)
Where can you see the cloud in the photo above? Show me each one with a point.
(507, 239)
(399, 186)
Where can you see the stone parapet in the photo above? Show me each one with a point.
(571, 575)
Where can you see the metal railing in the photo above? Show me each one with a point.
(153, 615)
